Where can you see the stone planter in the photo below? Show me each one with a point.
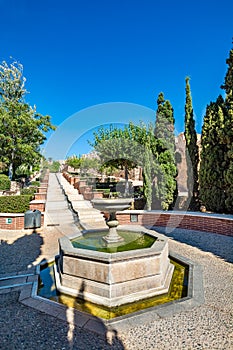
(98, 194)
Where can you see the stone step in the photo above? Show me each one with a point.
(90, 216)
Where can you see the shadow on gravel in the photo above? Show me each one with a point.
(25, 328)
(105, 338)
(219, 245)
(20, 255)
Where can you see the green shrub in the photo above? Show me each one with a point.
(28, 190)
(5, 182)
(35, 183)
(15, 204)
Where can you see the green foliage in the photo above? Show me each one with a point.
(116, 148)
(137, 146)
(147, 179)
(216, 168)
(147, 157)
(22, 128)
(74, 162)
(54, 167)
(212, 158)
(192, 155)
(89, 165)
(15, 204)
(29, 190)
(5, 183)
(84, 165)
(35, 183)
(165, 186)
(227, 136)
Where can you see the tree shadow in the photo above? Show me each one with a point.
(219, 245)
(104, 337)
(20, 255)
(83, 330)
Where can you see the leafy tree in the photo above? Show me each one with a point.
(116, 148)
(74, 162)
(22, 128)
(147, 152)
(89, 165)
(165, 185)
(54, 167)
(192, 155)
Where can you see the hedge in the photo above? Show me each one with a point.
(5, 182)
(35, 183)
(28, 190)
(15, 204)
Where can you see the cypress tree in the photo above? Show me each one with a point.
(216, 169)
(165, 185)
(227, 137)
(192, 155)
(211, 174)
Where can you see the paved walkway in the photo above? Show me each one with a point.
(208, 326)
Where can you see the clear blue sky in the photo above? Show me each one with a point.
(77, 54)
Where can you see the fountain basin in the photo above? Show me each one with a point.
(93, 240)
(112, 205)
(113, 279)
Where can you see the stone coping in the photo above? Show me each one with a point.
(28, 296)
(156, 248)
(176, 212)
(37, 201)
(11, 214)
(14, 214)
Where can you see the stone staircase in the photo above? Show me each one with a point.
(58, 211)
(89, 217)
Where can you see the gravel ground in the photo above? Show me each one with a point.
(208, 326)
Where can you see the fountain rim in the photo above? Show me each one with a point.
(112, 205)
(156, 248)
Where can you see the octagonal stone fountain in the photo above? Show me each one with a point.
(90, 266)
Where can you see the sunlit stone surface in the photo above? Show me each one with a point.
(116, 278)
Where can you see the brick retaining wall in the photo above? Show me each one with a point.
(191, 221)
(12, 221)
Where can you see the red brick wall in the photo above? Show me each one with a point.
(44, 184)
(192, 222)
(42, 189)
(17, 221)
(40, 196)
(38, 206)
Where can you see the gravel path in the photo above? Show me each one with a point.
(208, 326)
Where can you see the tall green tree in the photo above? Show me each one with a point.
(227, 136)
(211, 174)
(22, 128)
(216, 168)
(192, 153)
(165, 185)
